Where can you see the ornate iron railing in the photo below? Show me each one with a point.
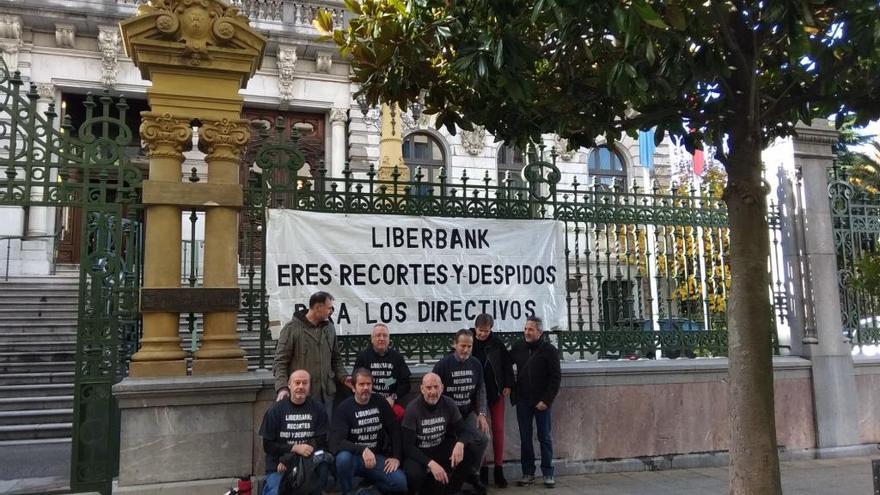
(647, 271)
(855, 216)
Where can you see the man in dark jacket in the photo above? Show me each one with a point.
(438, 446)
(295, 428)
(538, 375)
(490, 350)
(309, 342)
(366, 439)
(390, 371)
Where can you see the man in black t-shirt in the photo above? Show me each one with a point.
(389, 369)
(439, 447)
(366, 439)
(295, 426)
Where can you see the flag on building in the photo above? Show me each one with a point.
(646, 148)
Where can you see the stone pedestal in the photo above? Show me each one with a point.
(181, 429)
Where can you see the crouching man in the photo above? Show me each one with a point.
(366, 439)
(439, 446)
(293, 428)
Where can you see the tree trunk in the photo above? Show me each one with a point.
(754, 460)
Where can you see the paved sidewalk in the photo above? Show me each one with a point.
(844, 476)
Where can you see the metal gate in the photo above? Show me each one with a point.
(646, 270)
(47, 163)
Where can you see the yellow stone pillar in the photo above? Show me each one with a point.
(198, 54)
(391, 144)
(160, 355)
(222, 142)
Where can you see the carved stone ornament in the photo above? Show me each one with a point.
(338, 115)
(323, 62)
(10, 27)
(286, 62)
(165, 136)
(474, 141)
(196, 23)
(561, 145)
(108, 45)
(46, 91)
(224, 139)
(65, 35)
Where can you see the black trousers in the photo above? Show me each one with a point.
(420, 480)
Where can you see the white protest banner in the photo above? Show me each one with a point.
(417, 274)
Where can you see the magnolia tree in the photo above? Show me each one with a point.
(737, 73)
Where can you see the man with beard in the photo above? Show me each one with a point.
(366, 439)
(439, 447)
(294, 427)
(462, 377)
(309, 342)
(538, 376)
(389, 369)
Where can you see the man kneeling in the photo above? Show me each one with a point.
(366, 438)
(294, 432)
(439, 447)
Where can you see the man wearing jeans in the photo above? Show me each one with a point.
(366, 438)
(536, 364)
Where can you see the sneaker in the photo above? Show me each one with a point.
(527, 480)
(549, 482)
(498, 474)
(484, 475)
(478, 487)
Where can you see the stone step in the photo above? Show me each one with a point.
(35, 390)
(36, 431)
(39, 367)
(32, 346)
(37, 328)
(36, 379)
(32, 403)
(46, 311)
(35, 417)
(37, 357)
(37, 336)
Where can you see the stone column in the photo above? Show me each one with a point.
(834, 389)
(338, 118)
(161, 355)
(391, 144)
(222, 142)
(38, 216)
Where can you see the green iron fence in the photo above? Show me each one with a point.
(647, 270)
(47, 163)
(855, 214)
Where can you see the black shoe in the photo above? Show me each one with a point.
(478, 487)
(498, 475)
(484, 475)
(527, 480)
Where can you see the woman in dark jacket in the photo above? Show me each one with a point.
(498, 373)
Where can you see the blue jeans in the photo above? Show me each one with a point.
(270, 486)
(349, 465)
(525, 414)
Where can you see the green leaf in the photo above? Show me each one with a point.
(648, 14)
(650, 56)
(354, 6)
(499, 54)
(675, 17)
(536, 10)
(323, 22)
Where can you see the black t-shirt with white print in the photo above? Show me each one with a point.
(287, 424)
(426, 427)
(371, 425)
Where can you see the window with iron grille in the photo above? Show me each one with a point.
(606, 165)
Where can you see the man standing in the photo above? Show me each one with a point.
(538, 375)
(462, 377)
(490, 350)
(389, 369)
(366, 439)
(291, 428)
(309, 342)
(439, 447)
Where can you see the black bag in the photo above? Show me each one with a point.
(300, 477)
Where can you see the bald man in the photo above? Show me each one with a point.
(389, 369)
(438, 444)
(295, 426)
